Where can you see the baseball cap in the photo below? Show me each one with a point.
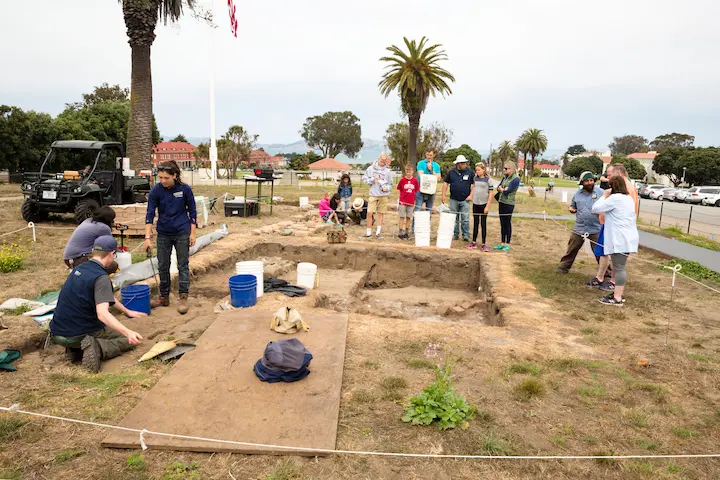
(460, 159)
(105, 243)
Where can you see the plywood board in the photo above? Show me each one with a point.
(212, 391)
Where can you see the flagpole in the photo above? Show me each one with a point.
(213, 142)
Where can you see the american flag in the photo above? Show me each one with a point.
(233, 20)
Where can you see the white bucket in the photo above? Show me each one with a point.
(256, 268)
(304, 201)
(123, 259)
(306, 274)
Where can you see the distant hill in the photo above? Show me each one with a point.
(371, 149)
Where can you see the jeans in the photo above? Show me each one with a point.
(165, 244)
(505, 211)
(479, 216)
(345, 203)
(462, 220)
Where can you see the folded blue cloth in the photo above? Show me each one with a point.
(272, 375)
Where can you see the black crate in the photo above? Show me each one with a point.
(237, 209)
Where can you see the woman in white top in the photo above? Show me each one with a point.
(621, 235)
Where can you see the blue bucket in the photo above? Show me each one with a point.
(136, 297)
(243, 290)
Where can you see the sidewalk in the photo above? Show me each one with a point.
(667, 246)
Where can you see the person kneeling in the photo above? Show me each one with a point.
(82, 321)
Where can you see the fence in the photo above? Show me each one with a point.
(694, 219)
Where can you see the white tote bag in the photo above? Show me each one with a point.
(428, 184)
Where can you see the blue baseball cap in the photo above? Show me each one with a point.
(105, 243)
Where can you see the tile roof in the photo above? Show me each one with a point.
(328, 164)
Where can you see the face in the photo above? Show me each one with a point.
(610, 172)
(167, 179)
(462, 166)
(479, 170)
(409, 172)
(589, 184)
(508, 170)
(430, 155)
(346, 180)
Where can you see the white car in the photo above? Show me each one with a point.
(698, 194)
(662, 194)
(711, 199)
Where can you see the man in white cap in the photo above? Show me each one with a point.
(461, 182)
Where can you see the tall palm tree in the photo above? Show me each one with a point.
(416, 76)
(506, 151)
(532, 142)
(141, 18)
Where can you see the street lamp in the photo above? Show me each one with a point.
(683, 178)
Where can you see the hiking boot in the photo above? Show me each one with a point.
(91, 353)
(611, 301)
(183, 307)
(160, 302)
(594, 283)
(471, 245)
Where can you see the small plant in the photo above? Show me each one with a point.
(528, 389)
(635, 418)
(10, 428)
(12, 257)
(524, 368)
(136, 462)
(371, 365)
(19, 310)
(363, 396)
(591, 390)
(419, 363)
(493, 445)
(647, 444)
(439, 402)
(182, 471)
(392, 387)
(673, 468)
(694, 270)
(683, 432)
(68, 454)
(285, 470)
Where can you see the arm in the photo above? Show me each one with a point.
(572, 208)
(192, 213)
(436, 170)
(472, 192)
(514, 184)
(490, 197)
(367, 176)
(603, 205)
(104, 315)
(444, 192)
(130, 313)
(149, 219)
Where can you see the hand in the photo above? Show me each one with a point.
(148, 245)
(572, 210)
(487, 209)
(500, 189)
(134, 314)
(468, 198)
(134, 338)
(192, 239)
(443, 200)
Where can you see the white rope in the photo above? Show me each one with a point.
(143, 432)
(14, 231)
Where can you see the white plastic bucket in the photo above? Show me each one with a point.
(123, 259)
(304, 201)
(306, 274)
(256, 268)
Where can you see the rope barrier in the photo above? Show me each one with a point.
(15, 408)
(14, 231)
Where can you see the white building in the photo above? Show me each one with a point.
(646, 160)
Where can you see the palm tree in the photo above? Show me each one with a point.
(141, 18)
(415, 75)
(532, 142)
(506, 151)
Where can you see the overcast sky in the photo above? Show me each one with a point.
(581, 71)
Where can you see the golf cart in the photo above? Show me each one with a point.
(78, 177)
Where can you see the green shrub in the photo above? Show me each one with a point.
(11, 258)
(439, 402)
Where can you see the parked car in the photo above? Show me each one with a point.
(680, 194)
(645, 191)
(697, 194)
(712, 199)
(664, 194)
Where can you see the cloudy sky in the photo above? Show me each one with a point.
(581, 71)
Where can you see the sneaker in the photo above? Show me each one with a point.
(498, 247)
(379, 237)
(160, 302)
(607, 287)
(594, 283)
(506, 248)
(612, 295)
(484, 248)
(466, 239)
(456, 238)
(611, 301)
(330, 222)
(91, 353)
(471, 245)
(183, 306)
(367, 235)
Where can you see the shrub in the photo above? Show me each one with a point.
(11, 258)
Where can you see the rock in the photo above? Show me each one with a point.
(285, 223)
(455, 311)
(257, 232)
(287, 232)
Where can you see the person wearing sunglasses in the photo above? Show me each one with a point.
(506, 204)
(177, 221)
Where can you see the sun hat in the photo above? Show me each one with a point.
(460, 159)
(358, 203)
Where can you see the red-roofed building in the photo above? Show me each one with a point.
(329, 168)
(549, 169)
(277, 161)
(259, 157)
(181, 152)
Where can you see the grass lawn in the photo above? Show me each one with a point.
(559, 182)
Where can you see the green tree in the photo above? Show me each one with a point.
(702, 165)
(101, 94)
(627, 144)
(141, 18)
(531, 142)
(634, 168)
(202, 153)
(447, 159)
(415, 76)
(669, 140)
(575, 168)
(25, 138)
(180, 138)
(235, 149)
(333, 133)
(575, 150)
(300, 161)
(506, 151)
(434, 137)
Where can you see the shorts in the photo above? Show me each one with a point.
(599, 248)
(326, 216)
(378, 204)
(406, 211)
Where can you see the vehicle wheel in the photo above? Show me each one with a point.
(85, 209)
(717, 204)
(31, 212)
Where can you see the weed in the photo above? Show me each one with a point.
(284, 470)
(647, 444)
(528, 389)
(590, 331)
(701, 358)
(371, 365)
(12, 257)
(439, 402)
(136, 462)
(492, 445)
(641, 467)
(393, 383)
(68, 454)
(17, 311)
(559, 441)
(524, 368)
(484, 417)
(182, 471)
(574, 364)
(11, 428)
(11, 474)
(673, 468)
(590, 440)
(658, 391)
(605, 461)
(363, 396)
(419, 363)
(592, 390)
(695, 270)
(635, 418)
(681, 432)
